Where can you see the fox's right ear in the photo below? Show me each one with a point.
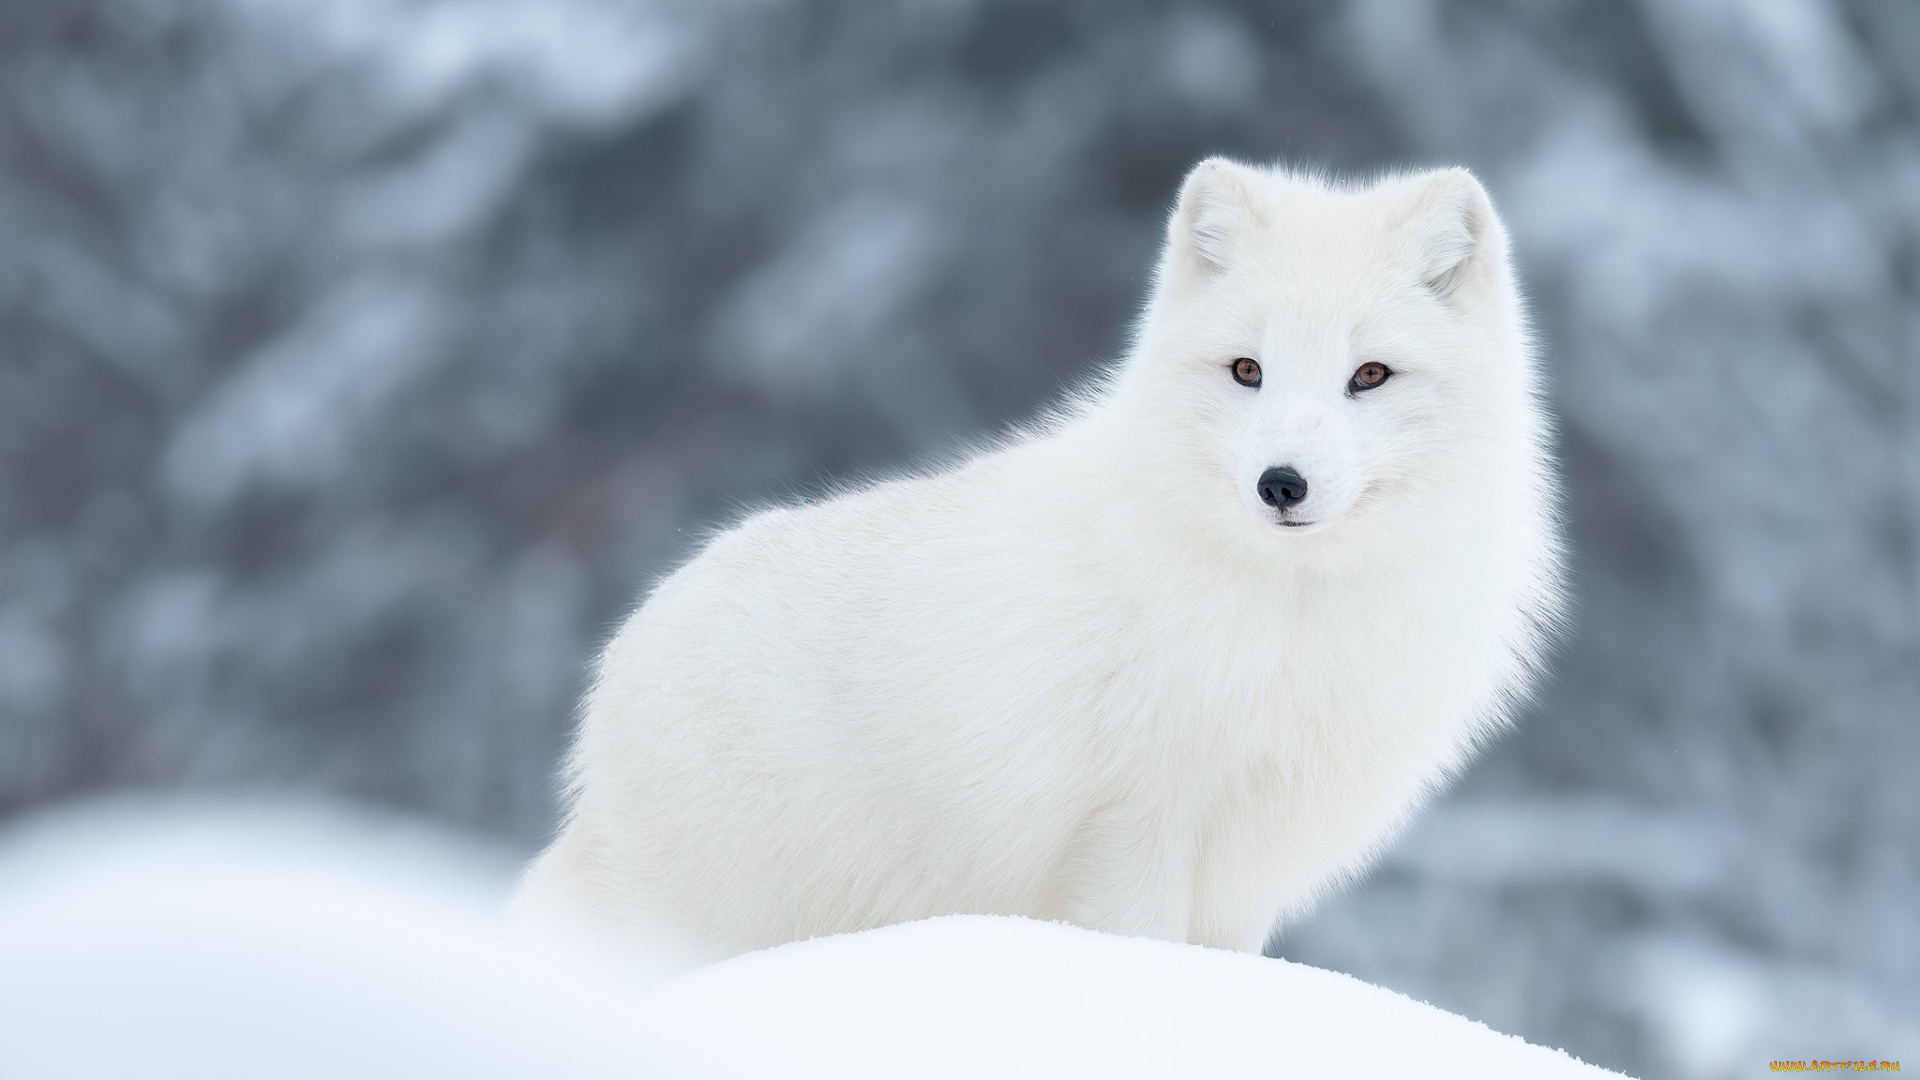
(1213, 211)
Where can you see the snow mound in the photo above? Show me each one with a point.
(285, 944)
(979, 996)
(214, 945)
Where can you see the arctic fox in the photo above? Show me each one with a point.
(1171, 663)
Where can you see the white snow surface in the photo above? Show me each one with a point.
(176, 942)
(284, 944)
(974, 995)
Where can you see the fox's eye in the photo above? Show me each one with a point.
(1246, 372)
(1367, 376)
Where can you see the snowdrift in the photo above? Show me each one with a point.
(978, 996)
(277, 944)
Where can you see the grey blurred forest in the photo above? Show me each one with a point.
(361, 360)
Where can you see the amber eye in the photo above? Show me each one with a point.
(1367, 376)
(1246, 371)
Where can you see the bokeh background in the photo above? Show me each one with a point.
(361, 361)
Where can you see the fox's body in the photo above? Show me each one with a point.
(1113, 672)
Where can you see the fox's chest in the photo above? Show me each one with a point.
(1269, 711)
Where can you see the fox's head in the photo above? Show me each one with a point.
(1329, 359)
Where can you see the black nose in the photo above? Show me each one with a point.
(1281, 487)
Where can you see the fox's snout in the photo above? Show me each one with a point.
(1281, 487)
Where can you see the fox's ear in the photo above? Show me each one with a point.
(1451, 231)
(1213, 211)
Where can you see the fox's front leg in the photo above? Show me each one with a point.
(1128, 873)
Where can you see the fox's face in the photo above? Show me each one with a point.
(1333, 355)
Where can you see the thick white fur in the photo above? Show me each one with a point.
(1087, 675)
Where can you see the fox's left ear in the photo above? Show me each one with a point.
(1453, 237)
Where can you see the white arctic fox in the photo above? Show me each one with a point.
(1170, 664)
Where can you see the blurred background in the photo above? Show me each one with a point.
(361, 361)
